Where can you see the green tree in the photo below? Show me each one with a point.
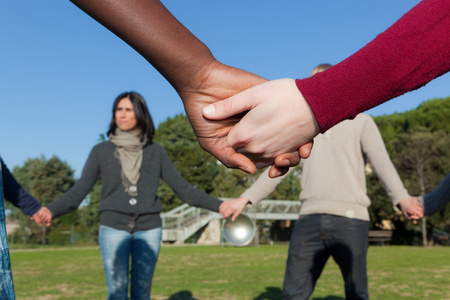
(289, 188)
(432, 114)
(231, 183)
(381, 206)
(197, 167)
(404, 134)
(424, 156)
(45, 179)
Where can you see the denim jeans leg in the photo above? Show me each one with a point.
(349, 249)
(145, 250)
(306, 260)
(115, 248)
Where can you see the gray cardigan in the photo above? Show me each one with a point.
(120, 210)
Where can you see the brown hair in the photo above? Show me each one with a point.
(143, 118)
(320, 68)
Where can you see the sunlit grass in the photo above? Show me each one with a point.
(212, 272)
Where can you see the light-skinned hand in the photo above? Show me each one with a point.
(42, 216)
(233, 207)
(412, 209)
(218, 82)
(278, 120)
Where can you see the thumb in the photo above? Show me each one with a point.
(229, 107)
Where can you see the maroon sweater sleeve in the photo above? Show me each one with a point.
(409, 54)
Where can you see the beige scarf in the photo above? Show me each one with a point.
(129, 152)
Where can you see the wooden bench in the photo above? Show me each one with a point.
(380, 236)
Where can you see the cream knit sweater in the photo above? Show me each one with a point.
(333, 178)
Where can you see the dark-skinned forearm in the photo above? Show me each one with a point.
(148, 27)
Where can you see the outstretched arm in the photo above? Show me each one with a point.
(16, 194)
(261, 188)
(405, 57)
(148, 27)
(417, 207)
(438, 198)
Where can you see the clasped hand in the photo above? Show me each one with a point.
(258, 123)
(277, 121)
(42, 216)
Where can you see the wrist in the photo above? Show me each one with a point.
(192, 74)
(246, 201)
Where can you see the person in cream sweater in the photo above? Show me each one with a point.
(334, 217)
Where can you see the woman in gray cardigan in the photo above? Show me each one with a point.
(130, 165)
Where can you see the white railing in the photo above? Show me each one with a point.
(183, 221)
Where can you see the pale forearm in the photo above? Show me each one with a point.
(405, 57)
(188, 65)
(375, 151)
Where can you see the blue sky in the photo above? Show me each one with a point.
(60, 70)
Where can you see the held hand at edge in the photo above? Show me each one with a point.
(216, 82)
(278, 120)
(233, 207)
(411, 208)
(43, 216)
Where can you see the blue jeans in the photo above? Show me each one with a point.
(6, 280)
(116, 247)
(314, 239)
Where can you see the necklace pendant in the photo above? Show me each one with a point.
(133, 189)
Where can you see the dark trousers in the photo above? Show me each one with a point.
(314, 239)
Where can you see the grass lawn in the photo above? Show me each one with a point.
(229, 273)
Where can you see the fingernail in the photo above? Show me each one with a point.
(209, 110)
